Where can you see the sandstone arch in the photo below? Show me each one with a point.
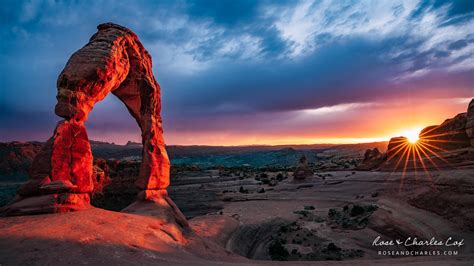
(114, 61)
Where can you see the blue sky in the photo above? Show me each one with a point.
(243, 72)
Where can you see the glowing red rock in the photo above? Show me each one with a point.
(114, 61)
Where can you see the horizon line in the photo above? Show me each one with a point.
(227, 145)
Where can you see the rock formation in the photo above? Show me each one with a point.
(442, 145)
(470, 122)
(302, 171)
(61, 177)
(371, 154)
(451, 134)
(395, 145)
(372, 159)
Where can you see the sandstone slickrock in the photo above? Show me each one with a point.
(302, 171)
(114, 61)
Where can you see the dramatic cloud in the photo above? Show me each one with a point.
(243, 71)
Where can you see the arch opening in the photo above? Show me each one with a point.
(116, 161)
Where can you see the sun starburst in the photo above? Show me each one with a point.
(418, 151)
(412, 135)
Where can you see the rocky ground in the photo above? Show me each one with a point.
(338, 217)
(330, 216)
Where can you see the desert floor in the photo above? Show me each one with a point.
(332, 217)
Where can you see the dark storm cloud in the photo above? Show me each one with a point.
(225, 59)
(350, 71)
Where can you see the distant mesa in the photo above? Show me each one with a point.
(132, 143)
(62, 175)
(98, 142)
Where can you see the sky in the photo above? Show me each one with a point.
(251, 72)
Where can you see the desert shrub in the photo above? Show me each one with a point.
(279, 177)
(277, 251)
(357, 210)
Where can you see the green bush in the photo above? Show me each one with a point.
(277, 251)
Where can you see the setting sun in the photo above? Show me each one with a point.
(412, 135)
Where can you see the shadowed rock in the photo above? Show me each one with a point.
(372, 159)
(451, 134)
(444, 145)
(470, 122)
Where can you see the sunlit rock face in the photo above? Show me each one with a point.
(61, 177)
(470, 122)
(65, 157)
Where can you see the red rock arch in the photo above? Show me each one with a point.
(114, 61)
